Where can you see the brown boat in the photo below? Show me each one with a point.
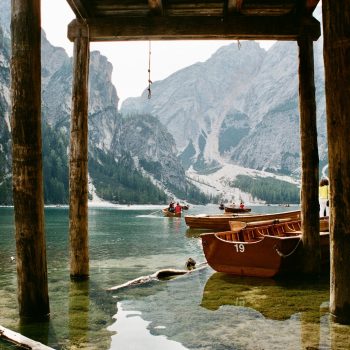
(260, 251)
(220, 222)
(237, 210)
(170, 214)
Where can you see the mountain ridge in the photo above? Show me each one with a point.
(251, 99)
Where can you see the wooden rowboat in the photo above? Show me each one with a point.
(170, 214)
(237, 210)
(221, 222)
(263, 251)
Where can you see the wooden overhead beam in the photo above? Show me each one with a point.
(155, 6)
(196, 28)
(80, 10)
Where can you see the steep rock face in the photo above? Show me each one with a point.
(107, 131)
(5, 143)
(272, 104)
(194, 100)
(103, 102)
(5, 16)
(233, 128)
(104, 121)
(57, 87)
(152, 147)
(240, 106)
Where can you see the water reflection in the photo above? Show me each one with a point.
(132, 333)
(79, 305)
(340, 336)
(195, 232)
(29, 328)
(277, 300)
(196, 311)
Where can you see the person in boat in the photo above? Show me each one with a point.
(178, 208)
(171, 207)
(241, 205)
(323, 194)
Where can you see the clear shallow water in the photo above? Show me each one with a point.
(201, 310)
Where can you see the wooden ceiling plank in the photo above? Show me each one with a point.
(268, 10)
(197, 28)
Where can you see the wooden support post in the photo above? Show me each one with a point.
(309, 158)
(336, 24)
(78, 170)
(28, 195)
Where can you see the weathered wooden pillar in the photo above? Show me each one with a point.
(336, 24)
(309, 158)
(78, 170)
(27, 159)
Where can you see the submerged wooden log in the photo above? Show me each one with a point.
(309, 159)
(20, 340)
(78, 163)
(336, 24)
(158, 275)
(28, 194)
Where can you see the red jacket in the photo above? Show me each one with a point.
(178, 209)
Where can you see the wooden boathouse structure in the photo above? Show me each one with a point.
(108, 20)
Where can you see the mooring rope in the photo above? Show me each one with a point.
(149, 71)
(290, 253)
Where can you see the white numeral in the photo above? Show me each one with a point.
(239, 248)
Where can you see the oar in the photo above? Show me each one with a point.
(155, 212)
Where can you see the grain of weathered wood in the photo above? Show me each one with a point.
(196, 28)
(336, 24)
(27, 159)
(136, 8)
(309, 158)
(78, 162)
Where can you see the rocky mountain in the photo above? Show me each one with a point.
(152, 147)
(239, 107)
(5, 144)
(236, 111)
(115, 150)
(56, 92)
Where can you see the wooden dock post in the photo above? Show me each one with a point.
(78, 163)
(336, 24)
(27, 159)
(309, 158)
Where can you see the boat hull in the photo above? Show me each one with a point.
(170, 214)
(270, 256)
(221, 222)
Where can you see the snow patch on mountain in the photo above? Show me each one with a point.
(218, 183)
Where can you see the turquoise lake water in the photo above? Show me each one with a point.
(201, 310)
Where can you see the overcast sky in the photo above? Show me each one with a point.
(130, 59)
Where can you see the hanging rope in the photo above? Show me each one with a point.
(149, 71)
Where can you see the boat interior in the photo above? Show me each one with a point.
(277, 228)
